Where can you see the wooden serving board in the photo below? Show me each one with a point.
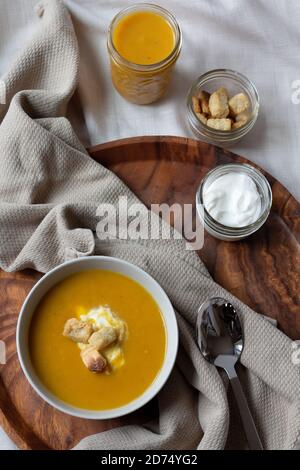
(263, 271)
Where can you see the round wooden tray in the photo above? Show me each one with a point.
(263, 271)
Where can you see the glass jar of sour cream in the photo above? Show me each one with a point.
(233, 201)
(144, 42)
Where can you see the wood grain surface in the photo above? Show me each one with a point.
(263, 271)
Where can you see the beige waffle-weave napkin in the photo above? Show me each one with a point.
(49, 192)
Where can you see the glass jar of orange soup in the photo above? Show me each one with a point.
(144, 42)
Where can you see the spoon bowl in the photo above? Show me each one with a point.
(221, 341)
(219, 330)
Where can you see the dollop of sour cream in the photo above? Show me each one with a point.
(104, 316)
(232, 200)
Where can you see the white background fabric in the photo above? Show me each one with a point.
(259, 38)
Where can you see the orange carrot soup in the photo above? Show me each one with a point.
(143, 38)
(144, 42)
(97, 340)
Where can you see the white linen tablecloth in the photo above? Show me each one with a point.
(259, 38)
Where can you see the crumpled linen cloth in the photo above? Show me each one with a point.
(49, 192)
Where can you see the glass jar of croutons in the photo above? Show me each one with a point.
(222, 106)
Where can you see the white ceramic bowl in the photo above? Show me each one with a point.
(110, 264)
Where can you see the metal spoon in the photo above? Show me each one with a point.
(220, 338)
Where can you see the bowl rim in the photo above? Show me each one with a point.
(163, 374)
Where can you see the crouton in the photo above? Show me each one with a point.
(196, 104)
(218, 104)
(220, 124)
(204, 101)
(243, 117)
(237, 125)
(93, 360)
(238, 104)
(103, 338)
(78, 331)
(202, 118)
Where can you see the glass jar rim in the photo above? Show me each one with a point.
(233, 133)
(145, 67)
(245, 229)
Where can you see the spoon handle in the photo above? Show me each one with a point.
(247, 419)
